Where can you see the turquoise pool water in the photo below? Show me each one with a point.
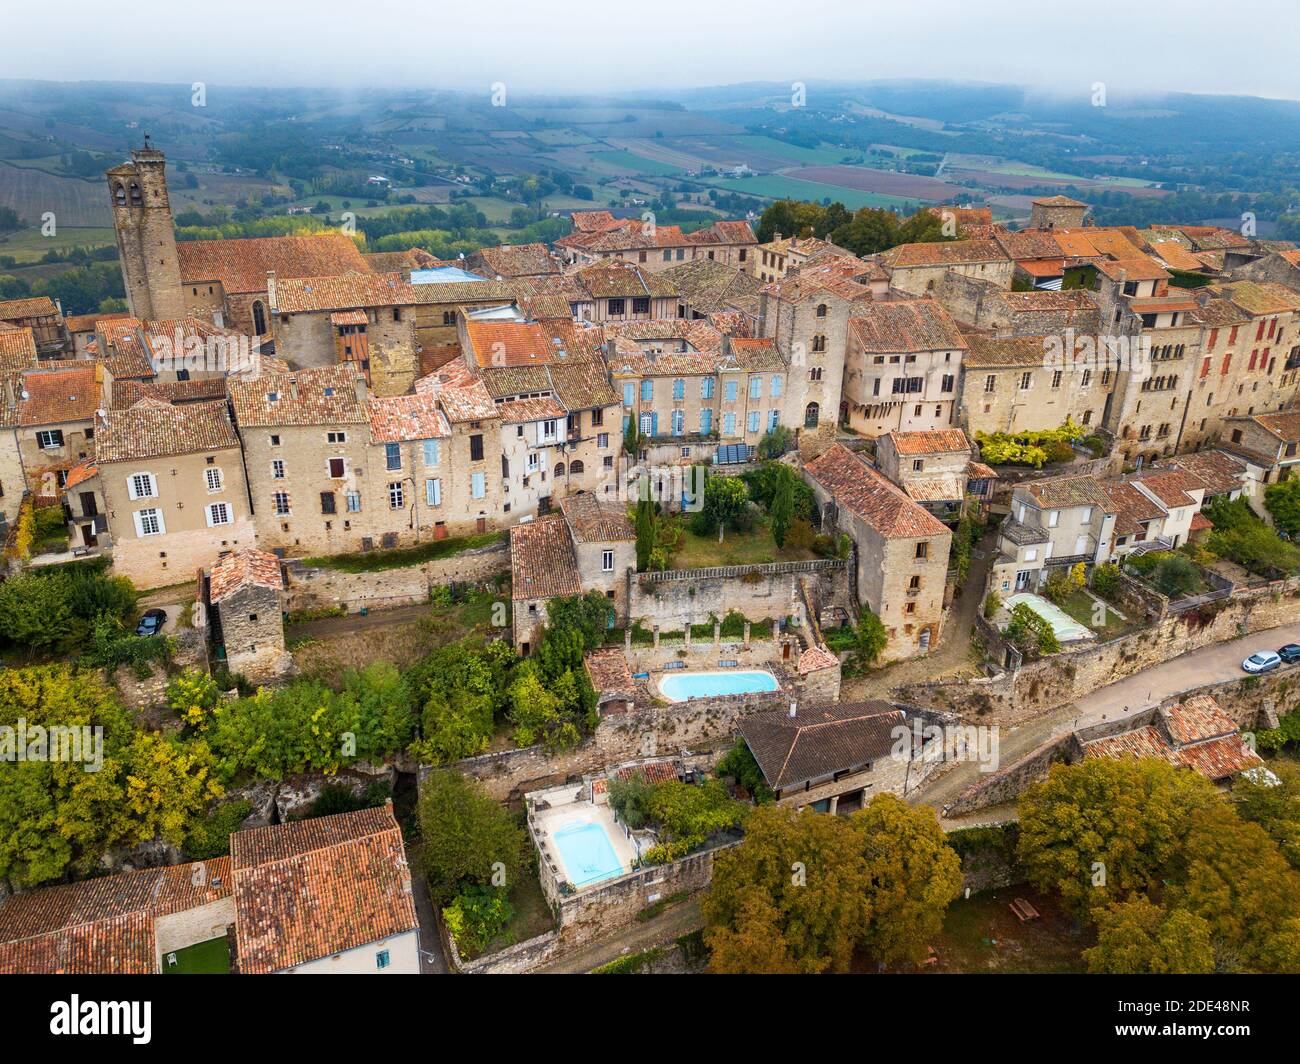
(587, 852)
(680, 686)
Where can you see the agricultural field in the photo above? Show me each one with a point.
(27, 245)
(886, 182)
(776, 186)
(33, 192)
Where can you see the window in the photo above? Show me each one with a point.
(706, 421)
(922, 551)
(1053, 518)
(280, 501)
(597, 417)
(617, 308)
(1056, 379)
(48, 439)
(393, 455)
(476, 448)
(914, 584)
(706, 388)
(547, 430)
(218, 514)
(277, 468)
(149, 523)
(336, 437)
(815, 374)
(382, 959)
(1026, 381)
(641, 305)
(948, 383)
(755, 387)
(433, 492)
(811, 415)
(819, 343)
(352, 500)
(990, 383)
(752, 422)
(449, 317)
(629, 391)
(607, 561)
(327, 504)
(477, 486)
(773, 418)
(396, 495)
(142, 486)
(729, 424)
(275, 441)
(730, 393)
(602, 440)
(338, 468)
(679, 422)
(918, 464)
(432, 452)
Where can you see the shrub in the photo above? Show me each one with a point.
(1176, 577)
(476, 917)
(992, 603)
(1106, 581)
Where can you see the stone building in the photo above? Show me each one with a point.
(327, 895)
(246, 596)
(598, 234)
(902, 366)
(508, 261)
(1056, 212)
(902, 549)
(1268, 443)
(543, 566)
(56, 409)
(472, 449)
(935, 469)
(146, 238)
(604, 544)
(174, 491)
(42, 316)
(833, 758)
(917, 268)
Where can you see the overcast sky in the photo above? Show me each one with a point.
(1243, 47)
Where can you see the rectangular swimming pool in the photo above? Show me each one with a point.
(587, 853)
(683, 685)
(1065, 626)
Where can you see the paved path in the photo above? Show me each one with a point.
(1222, 661)
(432, 959)
(674, 922)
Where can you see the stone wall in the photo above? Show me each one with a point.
(678, 597)
(309, 587)
(1057, 680)
(649, 732)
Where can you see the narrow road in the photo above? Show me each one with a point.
(432, 959)
(1149, 687)
(679, 920)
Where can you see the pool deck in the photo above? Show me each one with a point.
(565, 811)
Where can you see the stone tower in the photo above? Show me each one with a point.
(146, 240)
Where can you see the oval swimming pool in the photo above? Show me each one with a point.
(679, 686)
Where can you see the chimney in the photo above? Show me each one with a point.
(359, 386)
(776, 238)
(794, 709)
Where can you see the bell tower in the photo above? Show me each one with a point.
(146, 239)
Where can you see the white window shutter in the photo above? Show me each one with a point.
(162, 525)
(139, 525)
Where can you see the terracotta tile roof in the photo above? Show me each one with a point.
(313, 888)
(463, 396)
(1172, 487)
(1259, 297)
(1029, 244)
(911, 325)
(943, 253)
(1141, 742)
(543, 564)
(521, 411)
(1175, 256)
(1130, 506)
(196, 390)
(396, 261)
(242, 265)
(84, 323)
(514, 260)
(991, 352)
(58, 396)
(17, 350)
(592, 520)
(935, 441)
(1219, 471)
(28, 307)
(1197, 717)
(1219, 313)
(104, 925)
(406, 417)
(609, 277)
(591, 221)
(814, 658)
(510, 343)
(1285, 426)
(246, 567)
(1058, 492)
(709, 285)
(152, 428)
(860, 489)
(609, 671)
(652, 772)
(582, 385)
(979, 471)
(750, 356)
(326, 396)
(816, 280)
(819, 741)
(1137, 268)
(1057, 201)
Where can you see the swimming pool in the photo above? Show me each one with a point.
(587, 853)
(680, 686)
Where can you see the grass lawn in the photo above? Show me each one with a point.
(981, 934)
(1083, 608)
(378, 560)
(204, 958)
(748, 548)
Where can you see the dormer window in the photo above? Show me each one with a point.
(272, 397)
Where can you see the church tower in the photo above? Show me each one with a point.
(146, 240)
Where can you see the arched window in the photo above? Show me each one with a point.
(576, 468)
(811, 415)
(119, 194)
(259, 318)
(136, 198)
(819, 342)
(559, 469)
(821, 310)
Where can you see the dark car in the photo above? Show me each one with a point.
(1289, 653)
(151, 623)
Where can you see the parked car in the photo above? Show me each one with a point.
(1289, 653)
(151, 623)
(1261, 661)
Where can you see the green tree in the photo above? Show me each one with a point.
(464, 834)
(36, 611)
(725, 499)
(1104, 830)
(872, 637)
(1138, 937)
(645, 533)
(1176, 576)
(1282, 500)
(781, 511)
(1273, 804)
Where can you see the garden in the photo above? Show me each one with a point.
(1037, 448)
